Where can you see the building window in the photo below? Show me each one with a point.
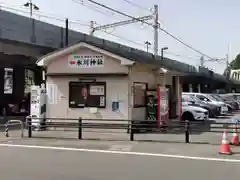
(87, 94)
(8, 80)
(139, 98)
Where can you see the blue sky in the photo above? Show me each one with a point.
(210, 26)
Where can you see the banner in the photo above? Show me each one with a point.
(86, 61)
(52, 93)
(8, 80)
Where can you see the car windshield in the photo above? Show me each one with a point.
(194, 98)
(236, 97)
(212, 98)
(186, 98)
(217, 97)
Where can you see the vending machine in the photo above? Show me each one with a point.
(163, 106)
(157, 106)
(38, 106)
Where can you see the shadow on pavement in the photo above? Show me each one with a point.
(126, 140)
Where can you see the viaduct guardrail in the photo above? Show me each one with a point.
(132, 126)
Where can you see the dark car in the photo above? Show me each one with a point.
(228, 99)
(232, 106)
(213, 109)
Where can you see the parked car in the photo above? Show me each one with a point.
(209, 99)
(229, 99)
(192, 113)
(236, 96)
(221, 99)
(213, 110)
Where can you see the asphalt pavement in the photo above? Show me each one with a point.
(51, 155)
(55, 164)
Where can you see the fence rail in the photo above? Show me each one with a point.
(132, 126)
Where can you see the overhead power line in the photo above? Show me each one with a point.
(189, 46)
(136, 5)
(119, 12)
(142, 45)
(41, 14)
(93, 8)
(165, 31)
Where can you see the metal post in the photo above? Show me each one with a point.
(91, 28)
(66, 32)
(6, 130)
(155, 27)
(118, 24)
(31, 8)
(132, 132)
(62, 36)
(29, 124)
(80, 128)
(22, 129)
(5, 115)
(187, 131)
(33, 36)
(162, 49)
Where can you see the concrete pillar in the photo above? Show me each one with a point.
(190, 88)
(199, 88)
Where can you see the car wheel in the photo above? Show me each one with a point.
(187, 116)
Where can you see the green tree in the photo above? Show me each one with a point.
(235, 64)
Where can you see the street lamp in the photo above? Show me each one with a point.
(31, 6)
(148, 44)
(163, 49)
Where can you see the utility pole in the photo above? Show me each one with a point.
(228, 56)
(142, 19)
(155, 27)
(227, 61)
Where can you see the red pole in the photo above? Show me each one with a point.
(83, 92)
(158, 107)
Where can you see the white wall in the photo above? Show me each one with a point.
(116, 89)
(144, 74)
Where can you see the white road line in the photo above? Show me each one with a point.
(119, 147)
(121, 152)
